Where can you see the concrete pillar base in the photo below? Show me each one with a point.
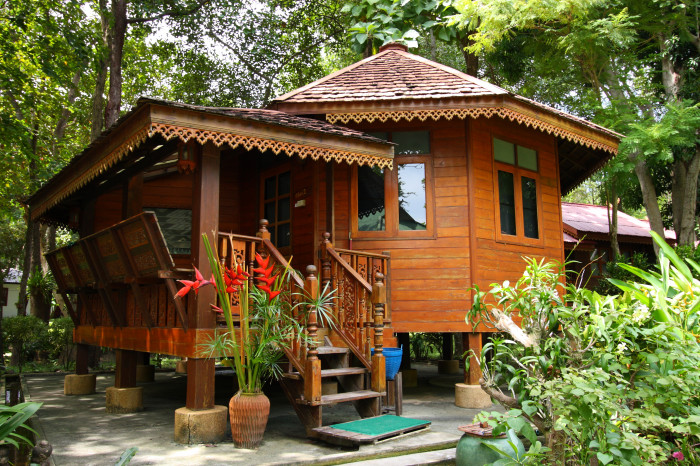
(448, 367)
(471, 396)
(410, 378)
(202, 426)
(181, 367)
(124, 400)
(329, 388)
(145, 373)
(79, 384)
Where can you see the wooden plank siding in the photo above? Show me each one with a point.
(430, 276)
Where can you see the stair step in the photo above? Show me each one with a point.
(345, 396)
(332, 350)
(330, 372)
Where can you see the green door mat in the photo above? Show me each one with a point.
(369, 430)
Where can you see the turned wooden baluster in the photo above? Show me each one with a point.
(378, 363)
(325, 260)
(223, 250)
(312, 369)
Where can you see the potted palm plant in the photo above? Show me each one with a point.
(267, 326)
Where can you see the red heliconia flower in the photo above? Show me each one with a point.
(268, 280)
(263, 263)
(270, 293)
(193, 285)
(240, 273)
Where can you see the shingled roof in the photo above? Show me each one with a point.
(392, 74)
(395, 84)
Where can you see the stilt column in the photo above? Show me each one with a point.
(125, 396)
(80, 383)
(200, 421)
(469, 394)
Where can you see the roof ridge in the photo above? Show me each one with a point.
(448, 69)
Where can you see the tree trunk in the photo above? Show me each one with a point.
(612, 220)
(649, 197)
(684, 198)
(114, 96)
(102, 68)
(470, 60)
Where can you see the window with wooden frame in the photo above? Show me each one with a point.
(276, 205)
(388, 203)
(516, 179)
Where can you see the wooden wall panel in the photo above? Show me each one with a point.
(430, 277)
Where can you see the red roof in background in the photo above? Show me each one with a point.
(583, 219)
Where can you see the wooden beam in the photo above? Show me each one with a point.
(472, 341)
(200, 384)
(171, 341)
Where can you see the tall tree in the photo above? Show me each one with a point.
(638, 60)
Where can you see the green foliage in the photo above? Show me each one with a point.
(60, 340)
(378, 22)
(41, 284)
(126, 456)
(615, 270)
(605, 377)
(425, 345)
(26, 334)
(13, 418)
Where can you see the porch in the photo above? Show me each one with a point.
(142, 196)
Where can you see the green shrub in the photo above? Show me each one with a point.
(60, 340)
(616, 270)
(606, 379)
(26, 334)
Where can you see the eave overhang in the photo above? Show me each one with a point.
(151, 118)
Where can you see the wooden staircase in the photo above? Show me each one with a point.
(359, 310)
(354, 385)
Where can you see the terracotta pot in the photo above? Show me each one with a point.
(249, 413)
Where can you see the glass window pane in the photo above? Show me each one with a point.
(412, 210)
(270, 212)
(176, 225)
(283, 209)
(503, 151)
(270, 187)
(506, 196)
(527, 158)
(411, 142)
(284, 235)
(371, 212)
(529, 188)
(283, 184)
(273, 236)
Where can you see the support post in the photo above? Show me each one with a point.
(378, 363)
(469, 394)
(313, 387)
(125, 396)
(200, 421)
(80, 383)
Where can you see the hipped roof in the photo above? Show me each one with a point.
(250, 128)
(591, 222)
(395, 84)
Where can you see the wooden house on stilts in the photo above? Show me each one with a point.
(394, 165)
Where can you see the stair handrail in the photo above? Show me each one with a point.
(361, 340)
(262, 245)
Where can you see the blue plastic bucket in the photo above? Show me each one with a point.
(392, 359)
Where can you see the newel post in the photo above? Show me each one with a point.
(378, 362)
(312, 369)
(325, 260)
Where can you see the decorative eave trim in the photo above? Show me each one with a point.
(464, 113)
(169, 131)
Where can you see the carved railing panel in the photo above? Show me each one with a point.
(352, 274)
